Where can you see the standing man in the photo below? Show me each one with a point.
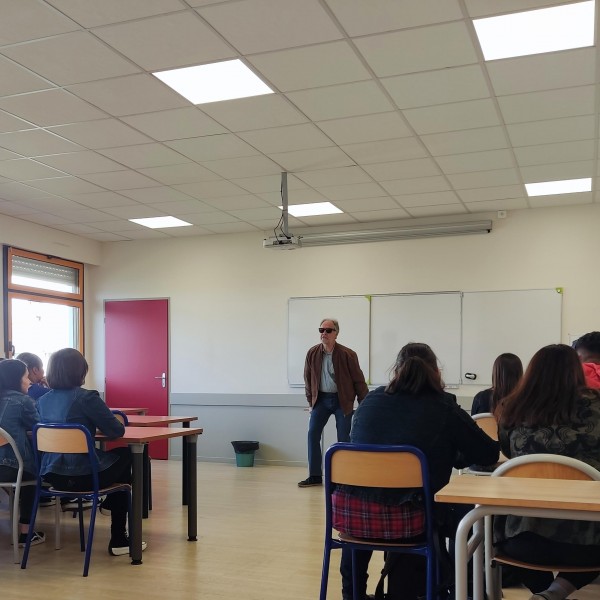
(588, 348)
(333, 379)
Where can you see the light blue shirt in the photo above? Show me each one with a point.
(327, 383)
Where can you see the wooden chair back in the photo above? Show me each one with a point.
(65, 441)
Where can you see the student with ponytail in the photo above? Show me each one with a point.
(412, 409)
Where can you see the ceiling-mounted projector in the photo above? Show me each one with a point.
(282, 243)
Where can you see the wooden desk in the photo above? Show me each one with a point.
(543, 498)
(137, 438)
(131, 411)
(162, 421)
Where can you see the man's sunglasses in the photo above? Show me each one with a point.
(325, 329)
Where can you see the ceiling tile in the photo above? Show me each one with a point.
(209, 218)
(268, 183)
(104, 133)
(52, 204)
(358, 205)
(236, 203)
(338, 101)
(78, 163)
(7, 154)
(155, 195)
(543, 71)
(188, 172)
(286, 139)
(65, 185)
(380, 215)
(305, 196)
(129, 95)
(487, 8)
(417, 185)
(552, 104)
(17, 191)
(133, 211)
(551, 131)
(120, 180)
(90, 13)
(360, 18)
(10, 123)
(231, 227)
(351, 191)
(438, 210)
(182, 207)
(175, 124)
(165, 42)
(311, 66)
(256, 112)
(17, 80)
(245, 166)
(259, 25)
(421, 49)
(81, 215)
(420, 167)
(308, 160)
(501, 192)
(342, 176)
(13, 209)
(50, 107)
(556, 153)
(452, 117)
(368, 128)
(36, 142)
(207, 190)
(480, 179)
(385, 151)
(431, 199)
(467, 140)
(24, 169)
(101, 200)
(500, 204)
(70, 58)
(335, 219)
(29, 19)
(558, 171)
(144, 156)
(212, 147)
(248, 214)
(438, 87)
(476, 161)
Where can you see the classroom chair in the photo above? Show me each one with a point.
(538, 466)
(488, 423)
(13, 489)
(386, 467)
(70, 439)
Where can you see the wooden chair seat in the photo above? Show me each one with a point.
(507, 560)
(344, 537)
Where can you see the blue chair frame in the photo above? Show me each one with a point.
(121, 416)
(365, 474)
(83, 445)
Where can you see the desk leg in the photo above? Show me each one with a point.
(462, 550)
(146, 483)
(192, 478)
(478, 581)
(185, 485)
(135, 524)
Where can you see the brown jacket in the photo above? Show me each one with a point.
(349, 378)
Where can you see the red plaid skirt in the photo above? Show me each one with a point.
(366, 519)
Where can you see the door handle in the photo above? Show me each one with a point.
(163, 378)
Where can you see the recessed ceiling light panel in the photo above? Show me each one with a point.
(537, 31)
(313, 209)
(215, 82)
(566, 186)
(161, 222)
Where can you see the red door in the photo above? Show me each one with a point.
(137, 358)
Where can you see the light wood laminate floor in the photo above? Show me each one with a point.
(260, 537)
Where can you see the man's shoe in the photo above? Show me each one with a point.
(121, 547)
(38, 537)
(311, 481)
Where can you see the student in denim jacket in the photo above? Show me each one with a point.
(18, 415)
(68, 402)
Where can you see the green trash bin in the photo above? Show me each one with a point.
(244, 452)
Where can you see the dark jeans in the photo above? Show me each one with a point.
(27, 492)
(532, 547)
(327, 404)
(117, 503)
(406, 580)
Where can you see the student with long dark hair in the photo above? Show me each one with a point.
(68, 402)
(506, 374)
(18, 415)
(412, 409)
(552, 411)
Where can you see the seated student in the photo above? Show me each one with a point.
(35, 368)
(18, 415)
(551, 411)
(413, 409)
(68, 402)
(588, 349)
(506, 373)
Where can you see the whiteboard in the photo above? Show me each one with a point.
(433, 319)
(304, 317)
(517, 321)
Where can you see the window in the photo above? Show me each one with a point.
(43, 303)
